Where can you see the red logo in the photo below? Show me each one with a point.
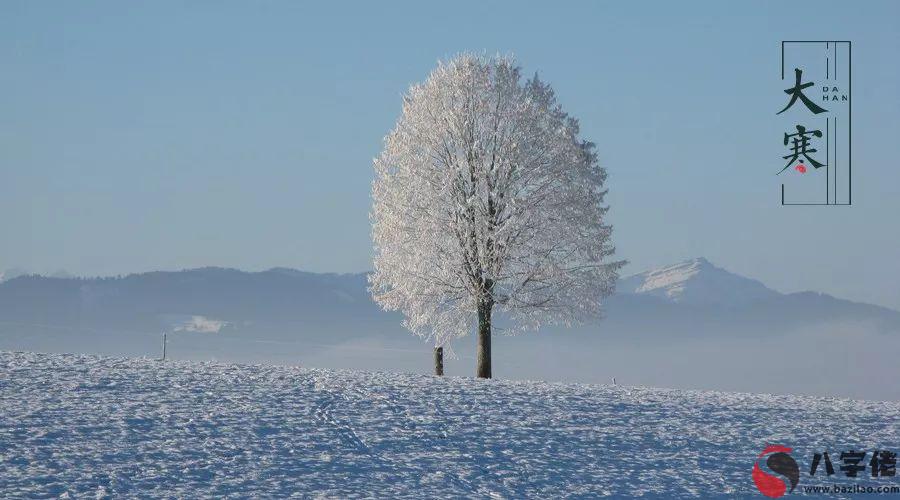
(779, 462)
(801, 168)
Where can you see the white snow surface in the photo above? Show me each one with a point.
(87, 426)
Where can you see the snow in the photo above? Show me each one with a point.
(696, 281)
(202, 324)
(671, 279)
(94, 426)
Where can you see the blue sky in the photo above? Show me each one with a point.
(168, 135)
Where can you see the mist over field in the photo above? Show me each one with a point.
(691, 325)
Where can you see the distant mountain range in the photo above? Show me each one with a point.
(689, 298)
(697, 298)
(285, 315)
(696, 281)
(16, 272)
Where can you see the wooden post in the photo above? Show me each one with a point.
(164, 346)
(439, 361)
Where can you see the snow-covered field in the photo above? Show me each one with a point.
(83, 426)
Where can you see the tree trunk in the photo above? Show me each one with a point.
(483, 353)
(439, 361)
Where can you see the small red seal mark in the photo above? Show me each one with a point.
(801, 168)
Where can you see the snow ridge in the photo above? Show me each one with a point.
(696, 281)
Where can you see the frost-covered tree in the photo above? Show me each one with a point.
(486, 198)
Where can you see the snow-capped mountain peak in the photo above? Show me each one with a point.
(695, 281)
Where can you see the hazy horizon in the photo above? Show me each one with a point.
(666, 329)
